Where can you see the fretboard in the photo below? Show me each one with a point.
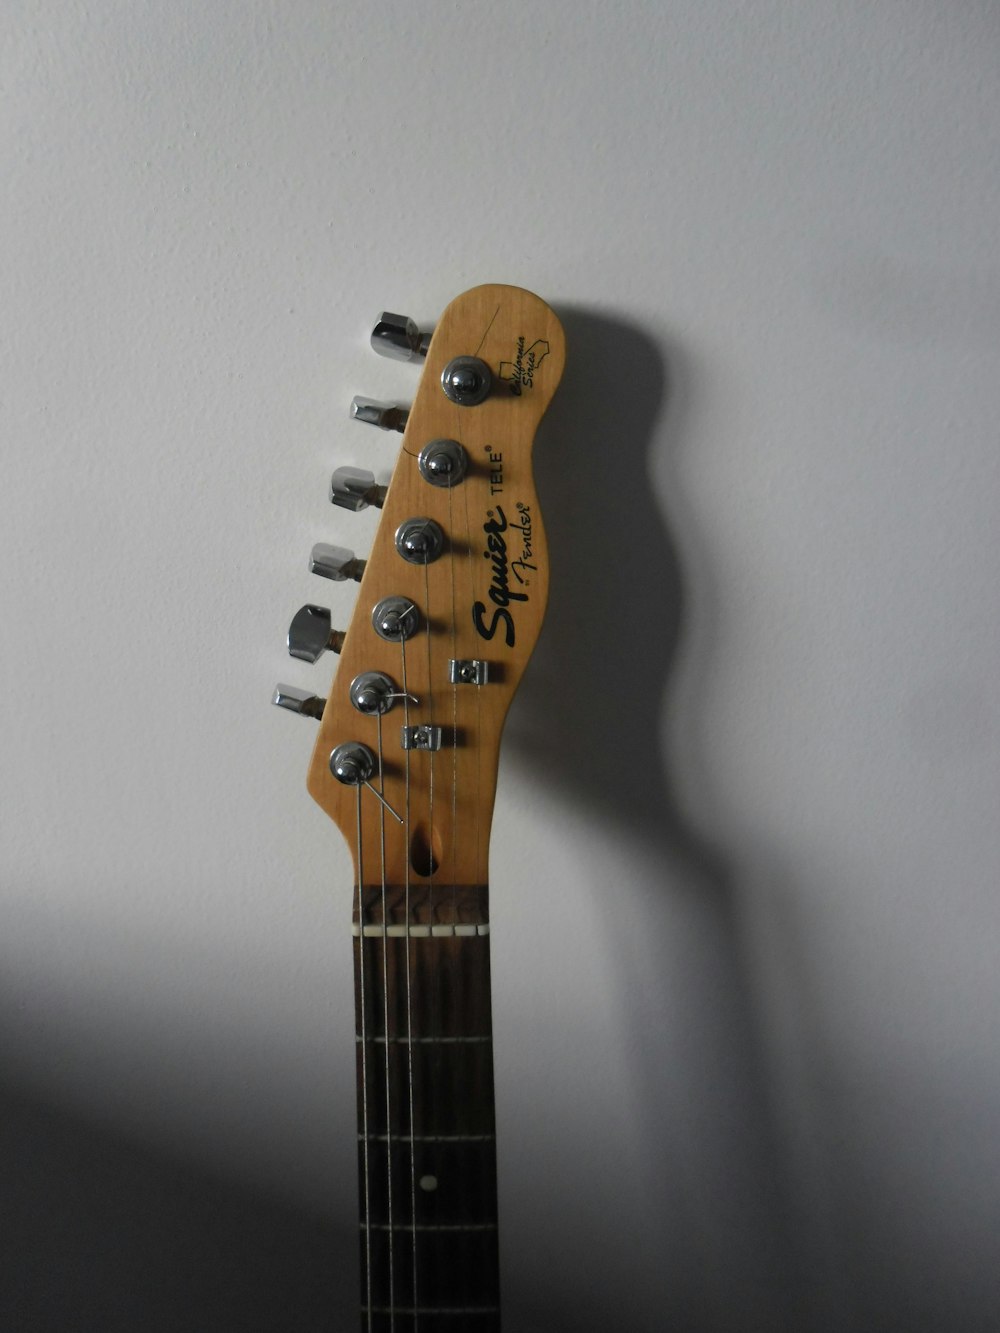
(426, 1122)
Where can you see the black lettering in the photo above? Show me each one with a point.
(487, 631)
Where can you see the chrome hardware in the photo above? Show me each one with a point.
(419, 540)
(310, 635)
(298, 701)
(352, 763)
(473, 672)
(443, 462)
(387, 416)
(334, 562)
(395, 619)
(397, 337)
(421, 738)
(373, 692)
(467, 380)
(354, 488)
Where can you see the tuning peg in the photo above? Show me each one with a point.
(334, 562)
(397, 337)
(298, 701)
(354, 488)
(310, 634)
(387, 416)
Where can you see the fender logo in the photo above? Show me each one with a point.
(500, 592)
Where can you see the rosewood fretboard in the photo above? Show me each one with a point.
(426, 1123)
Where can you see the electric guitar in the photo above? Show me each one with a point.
(450, 606)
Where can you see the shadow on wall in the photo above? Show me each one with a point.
(717, 1232)
(104, 1235)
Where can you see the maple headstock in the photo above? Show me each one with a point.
(479, 602)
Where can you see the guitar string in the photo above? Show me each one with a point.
(364, 1067)
(385, 1020)
(472, 591)
(407, 942)
(430, 753)
(431, 867)
(454, 706)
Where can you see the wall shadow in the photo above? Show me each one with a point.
(589, 717)
(106, 1235)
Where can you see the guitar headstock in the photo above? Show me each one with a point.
(451, 598)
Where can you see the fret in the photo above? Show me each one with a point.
(432, 1226)
(429, 1319)
(448, 986)
(426, 1043)
(417, 931)
(434, 1040)
(452, 1086)
(456, 1266)
(432, 1309)
(447, 909)
(475, 1319)
(430, 1138)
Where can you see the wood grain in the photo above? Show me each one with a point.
(447, 797)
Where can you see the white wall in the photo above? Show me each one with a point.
(745, 851)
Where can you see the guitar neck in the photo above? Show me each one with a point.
(426, 1121)
(450, 605)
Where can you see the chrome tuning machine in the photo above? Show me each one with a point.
(335, 562)
(310, 634)
(387, 416)
(397, 337)
(298, 701)
(354, 488)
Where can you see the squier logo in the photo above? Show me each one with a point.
(501, 594)
(520, 373)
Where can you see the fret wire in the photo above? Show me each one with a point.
(435, 1226)
(380, 930)
(438, 1138)
(441, 1309)
(421, 1041)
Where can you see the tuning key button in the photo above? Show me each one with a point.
(334, 562)
(373, 693)
(395, 619)
(419, 540)
(310, 634)
(397, 337)
(467, 381)
(354, 488)
(387, 416)
(443, 462)
(298, 701)
(352, 763)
